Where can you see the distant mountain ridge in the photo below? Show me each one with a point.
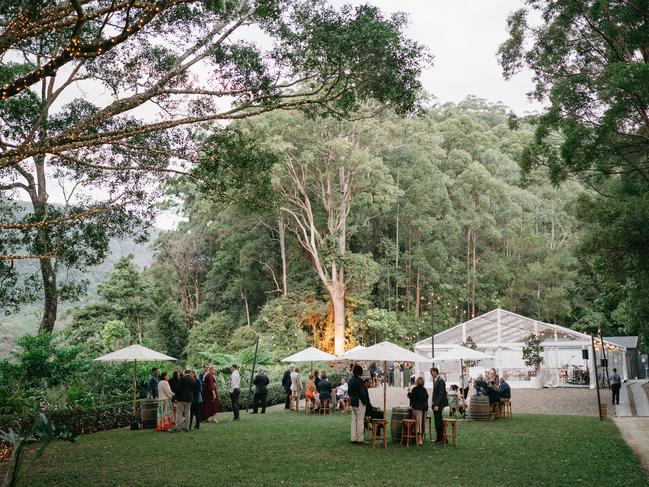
(27, 319)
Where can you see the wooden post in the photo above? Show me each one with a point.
(385, 389)
(135, 389)
(592, 339)
(252, 373)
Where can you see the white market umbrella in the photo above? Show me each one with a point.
(343, 355)
(310, 354)
(461, 353)
(134, 353)
(385, 352)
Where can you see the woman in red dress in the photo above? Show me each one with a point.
(211, 404)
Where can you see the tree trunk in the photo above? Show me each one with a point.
(396, 257)
(338, 303)
(473, 277)
(418, 294)
(50, 291)
(281, 229)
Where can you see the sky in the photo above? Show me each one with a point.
(463, 36)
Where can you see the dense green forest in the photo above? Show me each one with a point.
(418, 213)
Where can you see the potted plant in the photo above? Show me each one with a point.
(533, 357)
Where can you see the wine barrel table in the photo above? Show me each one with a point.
(149, 413)
(479, 409)
(396, 418)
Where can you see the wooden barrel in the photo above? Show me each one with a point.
(396, 418)
(149, 412)
(479, 409)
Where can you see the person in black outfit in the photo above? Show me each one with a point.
(439, 402)
(504, 389)
(419, 404)
(359, 400)
(481, 386)
(153, 383)
(261, 391)
(197, 403)
(492, 392)
(175, 380)
(184, 398)
(286, 384)
(324, 389)
(316, 379)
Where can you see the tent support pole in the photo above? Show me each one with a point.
(462, 391)
(385, 391)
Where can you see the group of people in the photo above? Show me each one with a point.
(188, 398)
(318, 388)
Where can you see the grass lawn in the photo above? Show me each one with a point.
(282, 449)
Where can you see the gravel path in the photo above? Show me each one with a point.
(568, 401)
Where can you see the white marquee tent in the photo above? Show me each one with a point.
(502, 334)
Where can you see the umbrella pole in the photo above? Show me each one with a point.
(135, 388)
(385, 388)
(462, 391)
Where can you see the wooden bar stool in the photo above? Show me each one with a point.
(379, 424)
(495, 410)
(324, 407)
(308, 405)
(453, 424)
(506, 408)
(294, 404)
(408, 429)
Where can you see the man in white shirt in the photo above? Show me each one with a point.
(235, 389)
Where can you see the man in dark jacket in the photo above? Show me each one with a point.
(324, 388)
(197, 403)
(184, 397)
(439, 402)
(504, 389)
(153, 384)
(359, 399)
(286, 384)
(261, 391)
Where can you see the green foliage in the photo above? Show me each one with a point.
(533, 352)
(115, 335)
(379, 325)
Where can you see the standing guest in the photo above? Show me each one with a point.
(419, 404)
(175, 380)
(407, 373)
(466, 379)
(316, 379)
(616, 384)
(324, 392)
(391, 374)
(296, 383)
(184, 398)
(286, 384)
(439, 403)
(359, 399)
(342, 394)
(398, 375)
(261, 391)
(153, 383)
(206, 368)
(165, 409)
(211, 405)
(197, 402)
(373, 369)
(235, 389)
(453, 401)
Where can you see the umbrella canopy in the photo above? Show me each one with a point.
(343, 356)
(310, 354)
(133, 353)
(461, 353)
(384, 351)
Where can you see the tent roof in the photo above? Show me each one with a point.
(514, 328)
(385, 351)
(461, 353)
(626, 342)
(310, 354)
(133, 353)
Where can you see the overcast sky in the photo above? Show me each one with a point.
(464, 36)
